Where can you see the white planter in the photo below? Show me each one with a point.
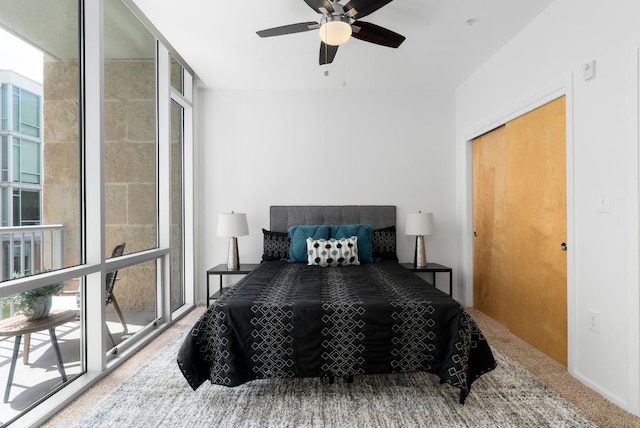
(40, 309)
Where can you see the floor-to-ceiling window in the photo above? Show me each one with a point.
(177, 230)
(131, 161)
(40, 193)
(181, 184)
(180, 112)
(93, 165)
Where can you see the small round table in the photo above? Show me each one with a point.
(19, 325)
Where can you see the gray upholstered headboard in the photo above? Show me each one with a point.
(284, 216)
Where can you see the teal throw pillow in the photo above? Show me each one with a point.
(298, 236)
(363, 232)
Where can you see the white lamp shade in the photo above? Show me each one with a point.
(419, 224)
(232, 224)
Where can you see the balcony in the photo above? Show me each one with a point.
(35, 248)
(39, 377)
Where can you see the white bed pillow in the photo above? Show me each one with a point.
(333, 252)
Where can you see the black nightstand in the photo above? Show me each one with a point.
(433, 268)
(221, 270)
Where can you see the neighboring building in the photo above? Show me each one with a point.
(20, 171)
(21, 154)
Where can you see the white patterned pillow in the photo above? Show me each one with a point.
(333, 252)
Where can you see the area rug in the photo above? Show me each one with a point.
(158, 396)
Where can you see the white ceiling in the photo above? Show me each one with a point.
(219, 42)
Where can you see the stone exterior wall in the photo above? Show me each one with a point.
(130, 167)
(130, 175)
(61, 154)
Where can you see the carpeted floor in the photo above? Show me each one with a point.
(605, 413)
(509, 396)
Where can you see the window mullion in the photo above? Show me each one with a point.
(93, 172)
(163, 98)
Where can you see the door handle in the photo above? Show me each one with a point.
(475, 233)
(563, 246)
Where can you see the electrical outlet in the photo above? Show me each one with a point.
(593, 319)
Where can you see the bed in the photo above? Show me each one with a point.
(308, 317)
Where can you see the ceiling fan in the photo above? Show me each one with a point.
(338, 23)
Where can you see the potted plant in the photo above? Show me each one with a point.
(36, 303)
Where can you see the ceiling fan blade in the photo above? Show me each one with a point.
(375, 34)
(288, 29)
(360, 8)
(327, 53)
(317, 4)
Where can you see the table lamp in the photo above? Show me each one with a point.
(233, 225)
(419, 224)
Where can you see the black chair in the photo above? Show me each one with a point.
(110, 283)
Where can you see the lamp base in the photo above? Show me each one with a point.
(233, 261)
(420, 256)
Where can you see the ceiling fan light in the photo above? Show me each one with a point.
(335, 30)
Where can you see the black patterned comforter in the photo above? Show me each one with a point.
(293, 320)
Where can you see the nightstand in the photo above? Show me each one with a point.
(221, 270)
(433, 268)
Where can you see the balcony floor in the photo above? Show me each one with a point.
(40, 376)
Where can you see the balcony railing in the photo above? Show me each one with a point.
(26, 250)
(29, 249)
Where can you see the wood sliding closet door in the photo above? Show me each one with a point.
(490, 245)
(519, 214)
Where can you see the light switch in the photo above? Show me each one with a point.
(589, 70)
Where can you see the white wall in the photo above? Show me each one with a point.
(326, 147)
(603, 158)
